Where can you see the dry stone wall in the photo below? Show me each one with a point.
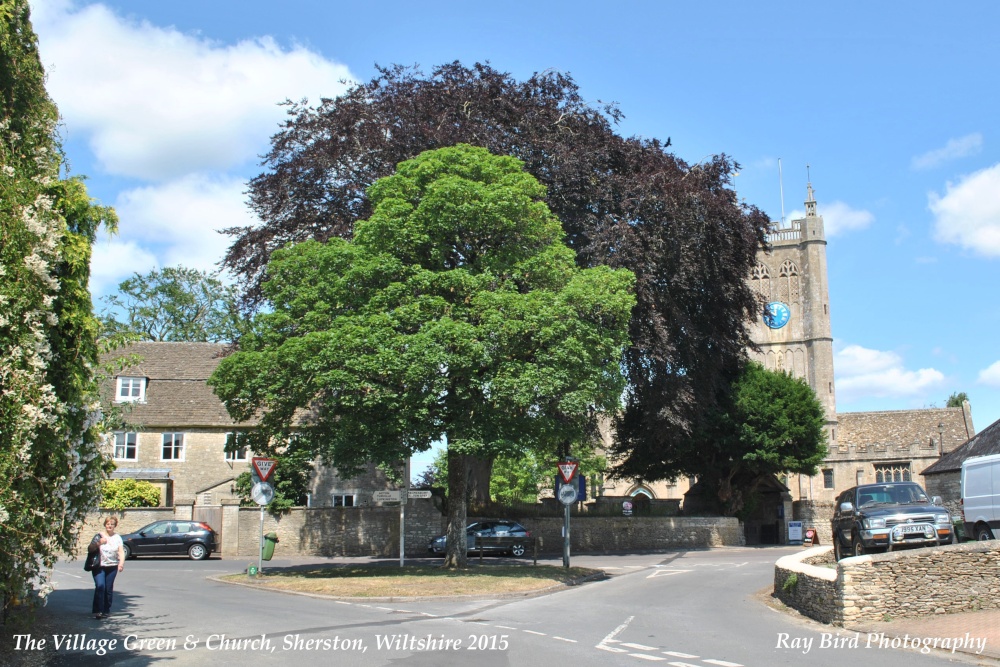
(913, 583)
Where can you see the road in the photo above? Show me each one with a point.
(684, 609)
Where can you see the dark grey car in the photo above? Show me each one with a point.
(882, 517)
(512, 538)
(194, 539)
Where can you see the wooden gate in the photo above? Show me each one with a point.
(212, 515)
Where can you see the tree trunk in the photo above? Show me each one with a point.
(458, 474)
(480, 471)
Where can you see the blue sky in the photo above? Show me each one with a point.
(167, 105)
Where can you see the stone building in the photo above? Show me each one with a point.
(178, 431)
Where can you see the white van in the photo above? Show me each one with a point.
(981, 496)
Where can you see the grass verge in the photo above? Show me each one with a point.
(382, 581)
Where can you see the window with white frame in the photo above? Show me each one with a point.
(125, 446)
(240, 453)
(130, 390)
(173, 447)
(343, 499)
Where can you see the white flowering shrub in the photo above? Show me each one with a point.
(51, 426)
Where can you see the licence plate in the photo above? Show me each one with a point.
(910, 529)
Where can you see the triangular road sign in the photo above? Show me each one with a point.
(567, 470)
(263, 467)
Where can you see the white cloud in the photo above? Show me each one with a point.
(968, 214)
(155, 103)
(866, 373)
(169, 224)
(838, 217)
(991, 375)
(970, 144)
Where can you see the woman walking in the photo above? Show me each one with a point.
(112, 561)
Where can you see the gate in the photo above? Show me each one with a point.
(212, 515)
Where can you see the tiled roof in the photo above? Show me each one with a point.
(986, 442)
(904, 427)
(177, 395)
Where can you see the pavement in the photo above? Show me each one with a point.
(971, 628)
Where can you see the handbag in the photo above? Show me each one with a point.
(93, 557)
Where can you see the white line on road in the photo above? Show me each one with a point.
(678, 654)
(504, 627)
(681, 664)
(616, 631)
(563, 639)
(640, 647)
(665, 573)
(722, 663)
(646, 657)
(532, 632)
(611, 649)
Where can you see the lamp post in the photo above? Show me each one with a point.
(940, 438)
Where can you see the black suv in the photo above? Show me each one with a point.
(883, 517)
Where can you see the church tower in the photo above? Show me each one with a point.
(793, 334)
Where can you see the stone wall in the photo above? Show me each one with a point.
(815, 514)
(948, 485)
(628, 534)
(913, 583)
(374, 531)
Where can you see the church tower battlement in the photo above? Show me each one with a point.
(794, 333)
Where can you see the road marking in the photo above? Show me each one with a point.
(646, 657)
(665, 573)
(424, 613)
(504, 627)
(532, 632)
(563, 639)
(722, 663)
(617, 631)
(678, 654)
(640, 647)
(386, 608)
(611, 649)
(681, 664)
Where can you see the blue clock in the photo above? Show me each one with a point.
(776, 314)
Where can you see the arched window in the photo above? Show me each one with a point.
(760, 280)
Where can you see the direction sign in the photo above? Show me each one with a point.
(567, 494)
(567, 469)
(263, 467)
(420, 494)
(387, 496)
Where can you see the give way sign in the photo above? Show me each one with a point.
(263, 467)
(567, 469)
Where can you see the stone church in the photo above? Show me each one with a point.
(794, 334)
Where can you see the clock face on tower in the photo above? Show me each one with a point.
(776, 314)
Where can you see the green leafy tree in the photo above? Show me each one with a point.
(957, 399)
(50, 423)
(769, 423)
(456, 314)
(120, 494)
(623, 202)
(174, 304)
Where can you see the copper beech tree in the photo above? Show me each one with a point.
(456, 313)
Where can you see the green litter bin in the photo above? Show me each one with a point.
(268, 549)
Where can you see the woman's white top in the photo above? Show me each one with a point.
(109, 550)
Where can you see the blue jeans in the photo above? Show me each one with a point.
(104, 586)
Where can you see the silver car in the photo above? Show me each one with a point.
(513, 538)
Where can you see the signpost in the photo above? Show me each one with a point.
(567, 496)
(388, 496)
(419, 494)
(262, 493)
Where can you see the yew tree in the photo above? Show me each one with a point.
(455, 313)
(622, 202)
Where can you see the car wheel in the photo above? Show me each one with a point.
(128, 552)
(983, 533)
(198, 551)
(838, 552)
(858, 546)
(517, 550)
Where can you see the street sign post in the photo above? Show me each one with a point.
(424, 493)
(567, 494)
(567, 470)
(262, 494)
(388, 496)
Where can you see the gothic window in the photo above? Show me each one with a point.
(892, 472)
(760, 280)
(788, 281)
